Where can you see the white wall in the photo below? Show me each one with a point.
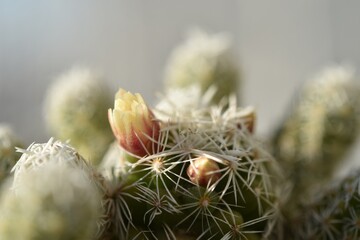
(280, 43)
(346, 31)
(129, 41)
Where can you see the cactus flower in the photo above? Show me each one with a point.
(133, 124)
(203, 171)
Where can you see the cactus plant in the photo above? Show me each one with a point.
(49, 204)
(319, 131)
(75, 110)
(38, 154)
(113, 164)
(46, 192)
(204, 60)
(311, 146)
(206, 177)
(192, 176)
(189, 168)
(332, 214)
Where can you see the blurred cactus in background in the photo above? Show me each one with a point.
(336, 214)
(313, 141)
(75, 110)
(8, 154)
(204, 60)
(332, 214)
(322, 127)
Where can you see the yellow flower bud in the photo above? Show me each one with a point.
(133, 124)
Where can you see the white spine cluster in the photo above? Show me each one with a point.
(38, 154)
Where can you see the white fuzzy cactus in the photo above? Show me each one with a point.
(204, 60)
(75, 110)
(52, 201)
(321, 128)
(313, 141)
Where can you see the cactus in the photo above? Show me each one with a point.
(203, 177)
(311, 146)
(8, 154)
(113, 164)
(109, 191)
(319, 131)
(189, 168)
(75, 110)
(333, 213)
(204, 60)
(37, 155)
(190, 176)
(47, 193)
(49, 204)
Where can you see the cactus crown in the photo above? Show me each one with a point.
(203, 168)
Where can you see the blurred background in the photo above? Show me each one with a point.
(279, 44)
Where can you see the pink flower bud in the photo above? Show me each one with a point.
(133, 124)
(203, 171)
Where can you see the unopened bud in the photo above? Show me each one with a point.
(203, 171)
(133, 124)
